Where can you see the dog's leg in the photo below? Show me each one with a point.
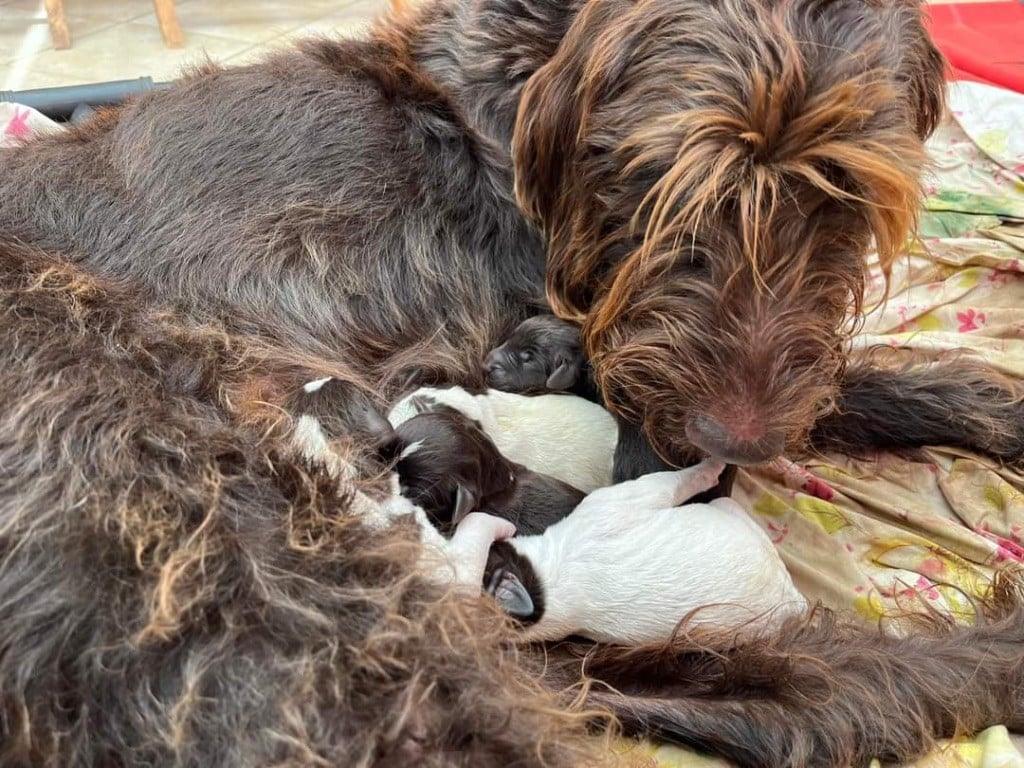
(957, 404)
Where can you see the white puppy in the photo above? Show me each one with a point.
(628, 564)
(563, 436)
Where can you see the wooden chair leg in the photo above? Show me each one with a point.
(58, 21)
(167, 15)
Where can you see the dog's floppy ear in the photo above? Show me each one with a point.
(465, 502)
(563, 377)
(549, 138)
(510, 594)
(921, 66)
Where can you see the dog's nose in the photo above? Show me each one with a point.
(719, 442)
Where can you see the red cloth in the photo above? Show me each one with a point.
(984, 42)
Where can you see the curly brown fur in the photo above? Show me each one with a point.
(708, 213)
(822, 691)
(178, 590)
(957, 402)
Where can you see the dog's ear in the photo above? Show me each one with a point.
(563, 377)
(549, 139)
(553, 109)
(510, 594)
(465, 502)
(921, 66)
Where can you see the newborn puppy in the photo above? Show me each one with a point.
(330, 409)
(449, 467)
(543, 354)
(566, 437)
(628, 565)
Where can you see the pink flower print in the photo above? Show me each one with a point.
(926, 588)
(18, 126)
(999, 278)
(933, 568)
(970, 320)
(819, 488)
(777, 532)
(1006, 550)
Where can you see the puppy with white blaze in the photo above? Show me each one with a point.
(566, 437)
(629, 564)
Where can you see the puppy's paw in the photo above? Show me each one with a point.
(482, 527)
(703, 476)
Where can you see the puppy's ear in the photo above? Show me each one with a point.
(376, 424)
(510, 594)
(563, 377)
(465, 502)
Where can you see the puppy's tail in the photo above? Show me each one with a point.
(819, 691)
(957, 403)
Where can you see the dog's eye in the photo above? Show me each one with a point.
(525, 356)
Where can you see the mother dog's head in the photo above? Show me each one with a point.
(710, 174)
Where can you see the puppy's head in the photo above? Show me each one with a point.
(448, 466)
(543, 354)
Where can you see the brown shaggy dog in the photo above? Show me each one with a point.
(179, 589)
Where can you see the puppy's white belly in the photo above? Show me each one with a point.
(631, 577)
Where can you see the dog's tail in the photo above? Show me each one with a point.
(956, 403)
(820, 691)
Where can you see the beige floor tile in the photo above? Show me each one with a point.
(254, 22)
(128, 50)
(351, 22)
(29, 79)
(24, 31)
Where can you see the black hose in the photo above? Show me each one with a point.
(60, 103)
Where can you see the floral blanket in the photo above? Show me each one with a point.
(874, 535)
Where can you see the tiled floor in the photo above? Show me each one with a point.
(119, 39)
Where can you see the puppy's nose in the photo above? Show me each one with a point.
(751, 447)
(491, 361)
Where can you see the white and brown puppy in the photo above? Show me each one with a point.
(629, 564)
(327, 409)
(566, 437)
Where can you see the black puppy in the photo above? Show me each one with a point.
(545, 354)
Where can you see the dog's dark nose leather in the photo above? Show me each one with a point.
(715, 440)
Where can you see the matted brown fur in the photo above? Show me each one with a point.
(821, 690)
(179, 589)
